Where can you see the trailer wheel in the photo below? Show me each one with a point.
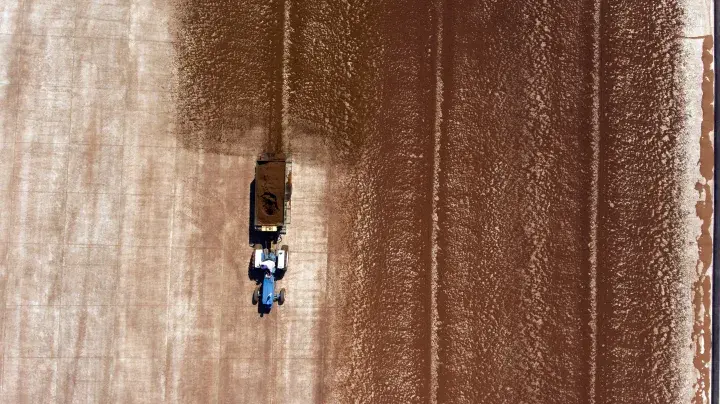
(281, 297)
(256, 295)
(287, 257)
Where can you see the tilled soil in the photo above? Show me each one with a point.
(641, 281)
(516, 178)
(506, 219)
(515, 203)
(373, 67)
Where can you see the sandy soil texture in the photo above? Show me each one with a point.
(492, 201)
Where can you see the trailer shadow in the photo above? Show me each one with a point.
(230, 76)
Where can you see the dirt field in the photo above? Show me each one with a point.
(492, 202)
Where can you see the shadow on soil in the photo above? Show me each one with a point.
(229, 55)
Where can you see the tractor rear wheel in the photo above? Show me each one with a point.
(281, 297)
(256, 295)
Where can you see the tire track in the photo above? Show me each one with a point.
(595, 178)
(437, 142)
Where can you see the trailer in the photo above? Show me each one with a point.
(273, 187)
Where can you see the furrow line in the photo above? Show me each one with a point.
(595, 191)
(437, 133)
(287, 30)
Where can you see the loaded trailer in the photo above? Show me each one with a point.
(273, 186)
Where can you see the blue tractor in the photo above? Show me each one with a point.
(269, 265)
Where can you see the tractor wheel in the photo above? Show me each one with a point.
(256, 295)
(281, 297)
(287, 257)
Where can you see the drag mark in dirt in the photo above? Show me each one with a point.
(278, 143)
(593, 208)
(278, 91)
(701, 334)
(437, 134)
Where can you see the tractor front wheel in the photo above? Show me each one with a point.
(256, 295)
(281, 297)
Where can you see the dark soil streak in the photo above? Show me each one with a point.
(230, 66)
(641, 283)
(275, 89)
